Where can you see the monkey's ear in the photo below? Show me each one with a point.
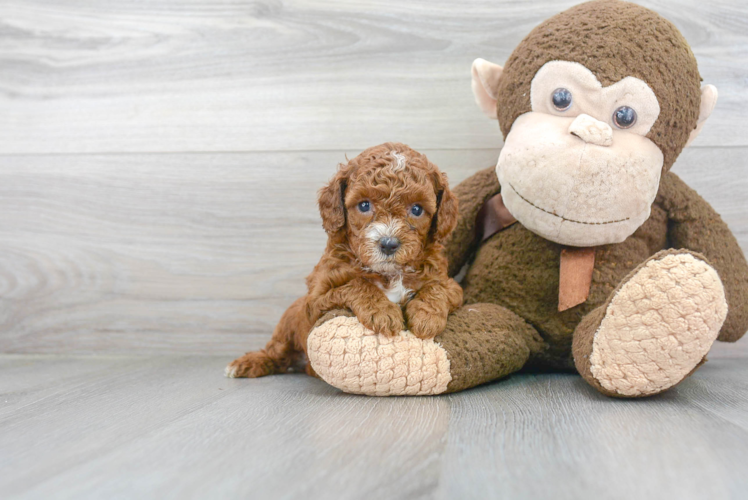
(708, 101)
(485, 82)
(331, 201)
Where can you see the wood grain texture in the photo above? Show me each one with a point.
(196, 253)
(117, 427)
(168, 76)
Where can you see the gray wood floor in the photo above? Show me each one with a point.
(173, 427)
(158, 169)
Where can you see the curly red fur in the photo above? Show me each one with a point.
(355, 274)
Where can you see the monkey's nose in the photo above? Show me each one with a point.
(591, 130)
(389, 245)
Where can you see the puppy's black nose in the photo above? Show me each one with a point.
(389, 245)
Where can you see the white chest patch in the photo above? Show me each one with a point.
(396, 292)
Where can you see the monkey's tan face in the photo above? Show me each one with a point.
(575, 192)
(578, 169)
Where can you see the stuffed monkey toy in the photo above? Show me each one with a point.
(582, 250)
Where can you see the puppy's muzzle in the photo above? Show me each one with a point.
(389, 245)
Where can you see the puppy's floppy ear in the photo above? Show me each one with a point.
(331, 200)
(445, 219)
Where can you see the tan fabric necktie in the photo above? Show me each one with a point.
(575, 276)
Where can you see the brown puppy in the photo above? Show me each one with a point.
(386, 213)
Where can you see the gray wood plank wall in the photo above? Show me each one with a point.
(159, 160)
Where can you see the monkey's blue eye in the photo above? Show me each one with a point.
(416, 210)
(561, 99)
(364, 206)
(624, 117)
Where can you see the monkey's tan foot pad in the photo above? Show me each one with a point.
(356, 360)
(657, 327)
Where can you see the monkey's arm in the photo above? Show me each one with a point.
(471, 193)
(693, 224)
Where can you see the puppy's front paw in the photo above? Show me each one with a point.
(387, 319)
(423, 321)
(251, 365)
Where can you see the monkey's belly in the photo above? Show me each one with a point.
(520, 271)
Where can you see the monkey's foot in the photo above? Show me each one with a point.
(481, 343)
(655, 329)
(354, 359)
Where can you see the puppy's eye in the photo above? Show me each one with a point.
(416, 210)
(364, 206)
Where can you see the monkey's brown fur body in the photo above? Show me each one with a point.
(353, 273)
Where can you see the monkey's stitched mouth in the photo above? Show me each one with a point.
(562, 217)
